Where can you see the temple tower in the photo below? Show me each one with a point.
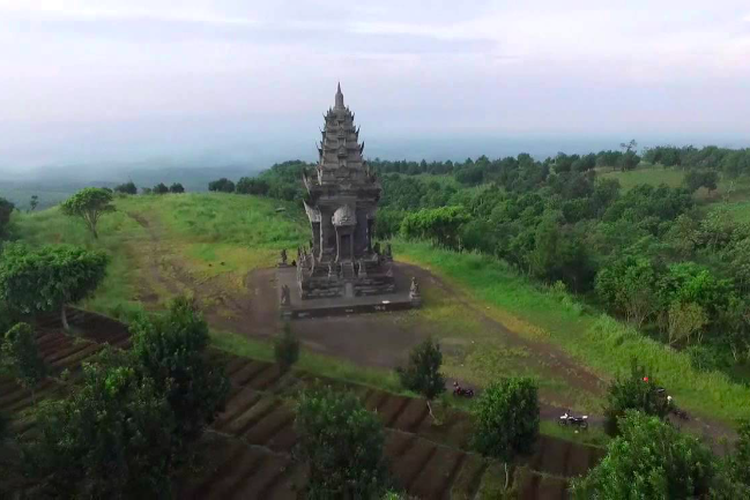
(342, 202)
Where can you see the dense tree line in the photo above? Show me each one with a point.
(732, 162)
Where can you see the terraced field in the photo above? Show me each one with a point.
(249, 450)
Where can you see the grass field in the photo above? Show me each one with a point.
(599, 342)
(225, 236)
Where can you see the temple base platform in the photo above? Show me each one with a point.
(355, 296)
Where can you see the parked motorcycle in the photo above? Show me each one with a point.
(568, 420)
(460, 391)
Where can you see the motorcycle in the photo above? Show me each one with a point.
(461, 392)
(567, 420)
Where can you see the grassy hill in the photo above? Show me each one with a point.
(210, 243)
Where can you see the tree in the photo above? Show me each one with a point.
(170, 350)
(33, 203)
(650, 460)
(127, 188)
(21, 350)
(176, 188)
(441, 225)
(49, 278)
(113, 437)
(628, 286)
(286, 349)
(733, 478)
(89, 204)
(635, 392)
(6, 208)
(222, 185)
(422, 373)
(685, 319)
(160, 188)
(506, 420)
(343, 444)
(248, 185)
(696, 179)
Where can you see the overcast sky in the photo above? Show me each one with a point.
(136, 78)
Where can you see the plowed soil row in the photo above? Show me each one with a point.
(249, 449)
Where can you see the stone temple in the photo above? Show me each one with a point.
(343, 260)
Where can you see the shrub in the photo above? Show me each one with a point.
(342, 442)
(286, 349)
(649, 460)
(635, 392)
(21, 350)
(169, 350)
(60, 275)
(160, 188)
(176, 188)
(111, 438)
(422, 373)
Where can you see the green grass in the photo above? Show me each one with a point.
(644, 174)
(325, 366)
(598, 342)
(117, 233)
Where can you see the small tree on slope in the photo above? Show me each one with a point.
(89, 204)
(506, 420)
(21, 350)
(343, 444)
(44, 280)
(170, 351)
(422, 373)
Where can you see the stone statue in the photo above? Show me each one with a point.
(414, 294)
(414, 289)
(331, 275)
(285, 296)
(376, 247)
(362, 269)
(388, 251)
(283, 256)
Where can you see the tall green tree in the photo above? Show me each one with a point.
(126, 188)
(89, 204)
(176, 188)
(33, 202)
(650, 460)
(170, 351)
(21, 350)
(506, 420)
(112, 438)
(49, 278)
(160, 188)
(343, 444)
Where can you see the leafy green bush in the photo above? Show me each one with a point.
(649, 460)
(343, 444)
(170, 351)
(111, 438)
(422, 373)
(60, 274)
(638, 391)
(21, 350)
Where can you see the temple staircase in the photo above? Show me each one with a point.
(347, 271)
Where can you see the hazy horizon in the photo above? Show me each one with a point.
(222, 83)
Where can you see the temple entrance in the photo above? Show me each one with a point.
(345, 250)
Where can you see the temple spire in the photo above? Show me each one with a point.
(339, 97)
